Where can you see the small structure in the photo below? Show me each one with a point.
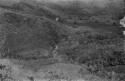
(122, 22)
(57, 18)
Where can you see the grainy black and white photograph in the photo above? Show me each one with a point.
(62, 40)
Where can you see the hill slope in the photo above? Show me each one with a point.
(33, 40)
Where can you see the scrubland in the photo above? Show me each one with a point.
(84, 44)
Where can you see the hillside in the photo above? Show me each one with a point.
(85, 44)
(90, 12)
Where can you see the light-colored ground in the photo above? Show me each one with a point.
(53, 71)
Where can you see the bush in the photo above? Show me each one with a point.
(6, 73)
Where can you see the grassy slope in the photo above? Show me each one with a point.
(105, 38)
(81, 10)
(81, 47)
(29, 27)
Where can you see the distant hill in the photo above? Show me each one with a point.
(77, 11)
(30, 9)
